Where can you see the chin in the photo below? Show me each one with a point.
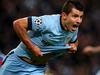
(72, 30)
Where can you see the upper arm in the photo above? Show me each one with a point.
(30, 23)
(22, 22)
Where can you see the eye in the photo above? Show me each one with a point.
(75, 16)
(81, 17)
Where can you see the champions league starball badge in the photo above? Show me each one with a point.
(38, 21)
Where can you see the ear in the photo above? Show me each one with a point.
(64, 15)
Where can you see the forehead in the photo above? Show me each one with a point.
(77, 12)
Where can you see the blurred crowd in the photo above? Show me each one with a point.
(11, 10)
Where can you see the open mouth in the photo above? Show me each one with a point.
(75, 26)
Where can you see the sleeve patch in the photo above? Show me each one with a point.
(38, 21)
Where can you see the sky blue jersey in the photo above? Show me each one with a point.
(47, 33)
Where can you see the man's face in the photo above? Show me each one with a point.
(71, 21)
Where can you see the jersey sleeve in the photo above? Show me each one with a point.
(29, 23)
(36, 23)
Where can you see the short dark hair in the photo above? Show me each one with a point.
(68, 5)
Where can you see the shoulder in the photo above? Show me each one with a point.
(45, 18)
(49, 18)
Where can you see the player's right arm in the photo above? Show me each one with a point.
(21, 26)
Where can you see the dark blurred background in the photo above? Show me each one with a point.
(89, 33)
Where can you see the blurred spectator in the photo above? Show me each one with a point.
(94, 54)
(90, 50)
